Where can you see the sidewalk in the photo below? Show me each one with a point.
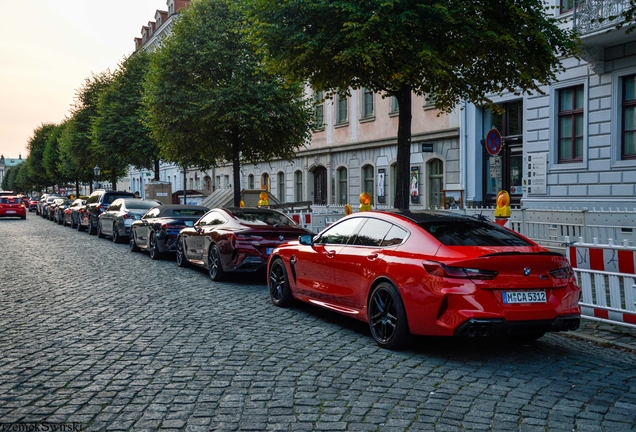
(605, 334)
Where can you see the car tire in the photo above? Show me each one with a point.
(100, 234)
(116, 237)
(60, 221)
(92, 229)
(182, 260)
(132, 244)
(80, 228)
(215, 268)
(279, 290)
(153, 248)
(73, 223)
(387, 317)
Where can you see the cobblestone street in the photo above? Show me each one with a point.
(93, 334)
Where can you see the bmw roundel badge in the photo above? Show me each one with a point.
(281, 238)
(526, 271)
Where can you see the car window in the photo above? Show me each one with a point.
(472, 233)
(114, 207)
(188, 212)
(341, 232)
(372, 233)
(247, 217)
(212, 218)
(395, 236)
(152, 213)
(9, 200)
(138, 204)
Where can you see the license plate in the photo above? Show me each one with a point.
(510, 297)
(268, 251)
(10, 211)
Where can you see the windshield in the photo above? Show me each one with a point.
(469, 233)
(263, 218)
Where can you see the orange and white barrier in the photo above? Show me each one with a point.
(607, 277)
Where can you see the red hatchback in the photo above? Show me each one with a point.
(428, 273)
(12, 206)
(235, 239)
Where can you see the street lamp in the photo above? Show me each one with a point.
(96, 170)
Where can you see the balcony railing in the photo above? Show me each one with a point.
(587, 14)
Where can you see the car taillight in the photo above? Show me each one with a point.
(442, 270)
(128, 216)
(564, 272)
(98, 208)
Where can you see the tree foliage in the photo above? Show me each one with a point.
(210, 102)
(36, 148)
(457, 50)
(118, 134)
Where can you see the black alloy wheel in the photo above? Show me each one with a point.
(116, 237)
(100, 234)
(92, 229)
(132, 244)
(387, 317)
(153, 249)
(279, 290)
(215, 268)
(182, 260)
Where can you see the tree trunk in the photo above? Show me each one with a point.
(236, 168)
(113, 179)
(156, 170)
(403, 170)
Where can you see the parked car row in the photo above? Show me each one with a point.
(403, 272)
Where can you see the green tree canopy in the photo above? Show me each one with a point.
(51, 156)
(453, 50)
(118, 135)
(76, 141)
(209, 102)
(35, 162)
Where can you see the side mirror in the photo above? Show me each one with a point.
(305, 239)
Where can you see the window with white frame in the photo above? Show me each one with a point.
(570, 142)
(566, 6)
(250, 181)
(628, 116)
(298, 185)
(342, 108)
(343, 189)
(367, 103)
(368, 181)
(281, 186)
(319, 110)
(393, 105)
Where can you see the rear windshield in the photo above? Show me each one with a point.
(110, 198)
(263, 218)
(469, 233)
(4, 200)
(139, 204)
(188, 212)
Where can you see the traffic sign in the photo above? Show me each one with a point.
(493, 142)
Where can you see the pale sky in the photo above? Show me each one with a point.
(49, 47)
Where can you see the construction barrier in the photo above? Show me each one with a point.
(607, 279)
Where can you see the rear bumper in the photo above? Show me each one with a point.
(500, 327)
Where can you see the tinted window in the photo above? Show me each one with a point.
(138, 204)
(263, 218)
(188, 212)
(372, 233)
(469, 233)
(395, 236)
(340, 233)
(212, 218)
(152, 213)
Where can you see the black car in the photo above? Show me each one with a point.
(98, 202)
(158, 229)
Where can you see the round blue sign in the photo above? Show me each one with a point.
(493, 142)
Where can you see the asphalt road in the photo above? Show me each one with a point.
(94, 337)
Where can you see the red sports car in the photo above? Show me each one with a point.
(12, 206)
(235, 239)
(428, 273)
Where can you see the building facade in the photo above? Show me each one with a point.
(573, 146)
(6, 163)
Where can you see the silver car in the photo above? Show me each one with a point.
(115, 222)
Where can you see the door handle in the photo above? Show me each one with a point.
(330, 254)
(372, 256)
